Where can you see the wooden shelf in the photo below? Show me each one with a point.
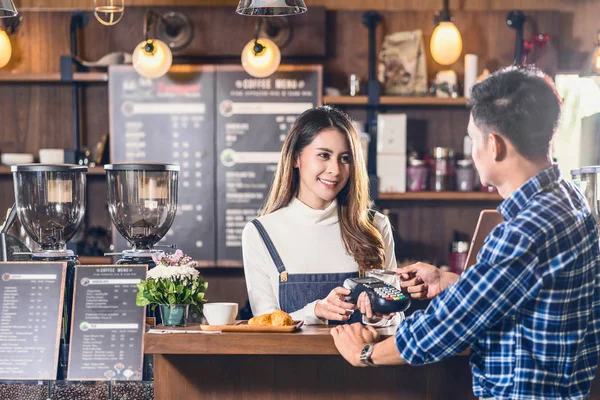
(221, 264)
(54, 77)
(441, 196)
(5, 170)
(94, 260)
(96, 171)
(397, 100)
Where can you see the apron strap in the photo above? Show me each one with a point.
(372, 215)
(272, 250)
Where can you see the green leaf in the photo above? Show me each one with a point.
(179, 289)
(140, 300)
(186, 295)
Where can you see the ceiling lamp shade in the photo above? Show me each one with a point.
(152, 58)
(5, 49)
(271, 8)
(7, 9)
(261, 57)
(446, 43)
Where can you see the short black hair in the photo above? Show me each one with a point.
(521, 104)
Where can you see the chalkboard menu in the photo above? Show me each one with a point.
(170, 120)
(31, 301)
(107, 327)
(253, 118)
(224, 128)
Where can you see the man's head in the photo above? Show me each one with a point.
(514, 114)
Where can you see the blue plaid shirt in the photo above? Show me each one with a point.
(530, 308)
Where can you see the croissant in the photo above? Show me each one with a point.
(281, 318)
(261, 320)
(276, 318)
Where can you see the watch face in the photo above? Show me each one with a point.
(366, 351)
(365, 355)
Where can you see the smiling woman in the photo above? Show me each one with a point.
(316, 229)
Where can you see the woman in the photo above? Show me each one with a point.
(316, 229)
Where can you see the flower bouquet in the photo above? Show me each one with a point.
(173, 285)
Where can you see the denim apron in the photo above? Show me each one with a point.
(297, 290)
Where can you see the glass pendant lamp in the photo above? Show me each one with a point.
(271, 8)
(7, 9)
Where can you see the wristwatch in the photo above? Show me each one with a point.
(365, 355)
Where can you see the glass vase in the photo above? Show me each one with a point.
(174, 314)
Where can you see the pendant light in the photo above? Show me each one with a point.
(5, 48)
(271, 8)
(7, 9)
(261, 56)
(446, 42)
(152, 58)
(8, 27)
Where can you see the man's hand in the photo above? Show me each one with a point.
(350, 340)
(424, 281)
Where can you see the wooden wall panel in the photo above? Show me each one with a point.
(484, 33)
(344, 41)
(333, 4)
(425, 229)
(218, 33)
(35, 117)
(44, 37)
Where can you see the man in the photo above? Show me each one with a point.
(529, 310)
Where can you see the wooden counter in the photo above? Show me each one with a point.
(301, 365)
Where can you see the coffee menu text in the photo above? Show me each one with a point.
(106, 338)
(31, 301)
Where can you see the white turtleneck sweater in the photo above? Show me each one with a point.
(308, 241)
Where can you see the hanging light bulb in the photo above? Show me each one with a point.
(266, 8)
(152, 58)
(261, 57)
(7, 9)
(446, 42)
(5, 49)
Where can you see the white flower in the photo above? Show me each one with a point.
(182, 272)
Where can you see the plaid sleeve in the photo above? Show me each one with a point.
(504, 277)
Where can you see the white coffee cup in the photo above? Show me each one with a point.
(220, 313)
(52, 156)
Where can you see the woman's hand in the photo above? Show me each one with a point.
(333, 307)
(364, 305)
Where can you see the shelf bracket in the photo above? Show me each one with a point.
(79, 20)
(371, 19)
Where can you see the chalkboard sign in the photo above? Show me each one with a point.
(253, 118)
(31, 302)
(107, 327)
(170, 120)
(224, 128)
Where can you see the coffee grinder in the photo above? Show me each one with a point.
(50, 204)
(142, 202)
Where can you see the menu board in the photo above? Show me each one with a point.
(170, 120)
(224, 128)
(107, 327)
(31, 301)
(253, 119)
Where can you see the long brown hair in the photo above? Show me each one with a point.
(360, 237)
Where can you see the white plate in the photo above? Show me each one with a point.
(16, 158)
